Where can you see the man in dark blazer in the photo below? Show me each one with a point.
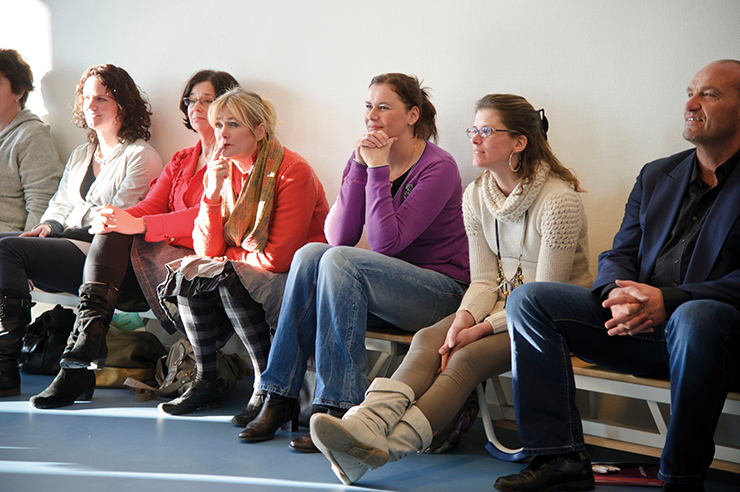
(665, 302)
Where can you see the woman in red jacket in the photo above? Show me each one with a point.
(261, 203)
(157, 230)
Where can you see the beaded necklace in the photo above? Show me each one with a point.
(508, 285)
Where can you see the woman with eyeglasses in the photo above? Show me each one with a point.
(127, 255)
(406, 194)
(525, 222)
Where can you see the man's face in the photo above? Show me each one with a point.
(712, 113)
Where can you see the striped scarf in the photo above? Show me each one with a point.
(249, 213)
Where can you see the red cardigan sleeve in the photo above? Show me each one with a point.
(171, 206)
(297, 218)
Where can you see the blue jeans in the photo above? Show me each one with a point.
(698, 347)
(330, 294)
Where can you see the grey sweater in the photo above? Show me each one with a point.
(30, 170)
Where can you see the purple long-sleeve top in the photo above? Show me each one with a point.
(422, 224)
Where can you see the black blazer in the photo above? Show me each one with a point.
(649, 216)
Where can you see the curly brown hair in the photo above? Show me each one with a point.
(134, 112)
(412, 94)
(516, 113)
(18, 72)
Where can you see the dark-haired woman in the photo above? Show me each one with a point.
(114, 167)
(406, 193)
(525, 222)
(29, 163)
(151, 233)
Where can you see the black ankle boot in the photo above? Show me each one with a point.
(276, 411)
(251, 410)
(200, 394)
(15, 314)
(551, 472)
(86, 346)
(68, 386)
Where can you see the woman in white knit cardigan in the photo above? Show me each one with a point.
(525, 222)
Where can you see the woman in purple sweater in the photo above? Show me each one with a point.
(406, 193)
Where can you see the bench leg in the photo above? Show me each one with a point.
(494, 446)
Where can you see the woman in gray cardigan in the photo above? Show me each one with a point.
(114, 167)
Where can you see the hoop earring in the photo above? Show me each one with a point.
(518, 164)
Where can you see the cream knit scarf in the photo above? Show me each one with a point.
(511, 208)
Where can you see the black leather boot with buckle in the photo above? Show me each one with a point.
(15, 314)
(86, 348)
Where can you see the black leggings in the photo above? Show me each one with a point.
(56, 265)
(109, 262)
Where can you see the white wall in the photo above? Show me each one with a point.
(611, 75)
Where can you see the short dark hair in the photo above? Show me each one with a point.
(412, 94)
(221, 81)
(18, 72)
(134, 112)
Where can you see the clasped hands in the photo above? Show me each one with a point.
(462, 332)
(635, 308)
(373, 148)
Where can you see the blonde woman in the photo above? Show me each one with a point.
(261, 203)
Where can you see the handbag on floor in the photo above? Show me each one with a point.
(45, 340)
(130, 354)
(175, 373)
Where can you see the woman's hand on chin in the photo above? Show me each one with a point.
(374, 148)
(216, 173)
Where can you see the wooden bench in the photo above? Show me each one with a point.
(69, 300)
(390, 342)
(607, 401)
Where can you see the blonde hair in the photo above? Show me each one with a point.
(248, 109)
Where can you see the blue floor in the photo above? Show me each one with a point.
(116, 444)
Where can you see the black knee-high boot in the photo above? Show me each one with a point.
(86, 347)
(15, 314)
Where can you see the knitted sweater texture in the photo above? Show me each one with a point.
(546, 214)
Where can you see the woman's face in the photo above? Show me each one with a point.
(201, 96)
(100, 109)
(238, 141)
(8, 105)
(493, 151)
(384, 110)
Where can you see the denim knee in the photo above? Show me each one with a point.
(702, 321)
(311, 253)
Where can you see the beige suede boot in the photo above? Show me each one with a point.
(357, 442)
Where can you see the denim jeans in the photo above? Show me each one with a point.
(329, 296)
(698, 347)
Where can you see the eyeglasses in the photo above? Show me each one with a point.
(192, 102)
(486, 131)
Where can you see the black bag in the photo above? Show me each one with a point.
(45, 341)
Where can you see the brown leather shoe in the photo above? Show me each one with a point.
(276, 411)
(303, 444)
